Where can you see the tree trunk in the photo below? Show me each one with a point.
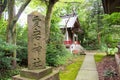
(12, 19)
(99, 38)
(14, 51)
(0, 15)
(48, 18)
(11, 34)
(14, 43)
(11, 28)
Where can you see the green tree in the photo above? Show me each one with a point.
(50, 4)
(110, 33)
(3, 25)
(11, 28)
(57, 54)
(92, 24)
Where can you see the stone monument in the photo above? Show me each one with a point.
(36, 41)
(37, 69)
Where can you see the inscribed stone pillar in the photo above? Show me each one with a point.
(36, 41)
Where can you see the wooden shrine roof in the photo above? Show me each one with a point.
(68, 21)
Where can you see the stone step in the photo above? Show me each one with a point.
(18, 77)
(35, 74)
(53, 76)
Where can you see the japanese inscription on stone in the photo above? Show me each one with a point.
(36, 41)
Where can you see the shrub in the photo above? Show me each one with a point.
(22, 55)
(8, 74)
(56, 51)
(56, 54)
(112, 51)
(5, 55)
(5, 60)
(3, 25)
(22, 45)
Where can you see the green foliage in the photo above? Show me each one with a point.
(112, 19)
(56, 54)
(5, 62)
(6, 49)
(91, 24)
(110, 32)
(99, 56)
(7, 75)
(109, 73)
(3, 25)
(5, 55)
(56, 51)
(112, 51)
(22, 45)
(103, 47)
(22, 55)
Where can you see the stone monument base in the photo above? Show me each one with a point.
(42, 74)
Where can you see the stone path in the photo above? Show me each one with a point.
(88, 69)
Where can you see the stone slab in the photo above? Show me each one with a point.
(89, 63)
(88, 69)
(53, 76)
(87, 75)
(35, 74)
(18, 77)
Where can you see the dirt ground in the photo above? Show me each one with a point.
(107, 69)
